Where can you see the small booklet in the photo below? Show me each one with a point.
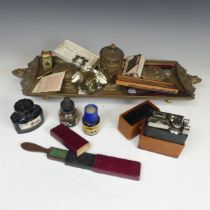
(73, 53)
(50, 83)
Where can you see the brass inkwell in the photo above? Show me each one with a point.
(111, 62)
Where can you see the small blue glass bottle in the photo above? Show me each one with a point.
(91, 120)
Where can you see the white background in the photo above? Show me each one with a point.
(31, 181)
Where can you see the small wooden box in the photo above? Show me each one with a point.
(131, 121)
(159, 146)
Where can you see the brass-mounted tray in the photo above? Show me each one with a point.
(183, 81)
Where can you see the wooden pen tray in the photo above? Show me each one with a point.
(34, 70)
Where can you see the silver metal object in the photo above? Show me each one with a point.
(175, 124)
(158, 114)
(186, 127)
(159, 120)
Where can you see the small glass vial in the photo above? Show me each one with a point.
(27, 116)
(68, 114)
(90, 120)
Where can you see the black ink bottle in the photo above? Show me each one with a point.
(27, 116)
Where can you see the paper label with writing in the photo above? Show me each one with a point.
(30, 124)
(90, 130)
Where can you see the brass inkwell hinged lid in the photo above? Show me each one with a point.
(111, 61)
(112, 52)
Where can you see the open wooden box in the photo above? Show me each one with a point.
(132, 123)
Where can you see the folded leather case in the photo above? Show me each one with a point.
(131, 121)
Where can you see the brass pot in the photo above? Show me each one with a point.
(111, 62)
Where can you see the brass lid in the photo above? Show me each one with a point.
(112, 52)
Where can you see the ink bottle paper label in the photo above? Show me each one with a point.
(90, 130)
(30, 124)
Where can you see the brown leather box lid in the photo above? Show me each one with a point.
(131, 121)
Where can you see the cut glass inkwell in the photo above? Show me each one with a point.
(68, 113)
